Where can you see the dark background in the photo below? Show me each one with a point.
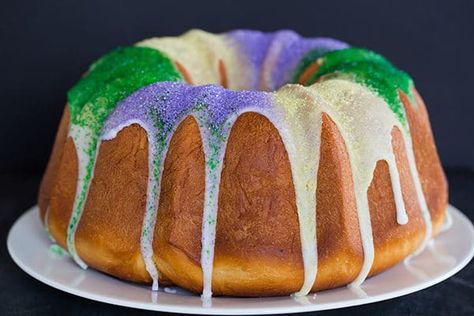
(46, 45)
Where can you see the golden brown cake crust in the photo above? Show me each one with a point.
(49, 177)
(257, 244)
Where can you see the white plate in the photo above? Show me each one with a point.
(28, 245)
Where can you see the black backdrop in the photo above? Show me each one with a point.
(45, 46)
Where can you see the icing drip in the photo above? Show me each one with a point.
(419, 193)
(86, 149)
(155, 172)
(402, 217)
(300, 130)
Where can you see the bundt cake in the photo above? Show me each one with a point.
(244, 164)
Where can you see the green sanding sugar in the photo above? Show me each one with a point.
(370, 69)
(333, 59)
(114, 77)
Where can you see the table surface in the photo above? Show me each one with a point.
(23, 295)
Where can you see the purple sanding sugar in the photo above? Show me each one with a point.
(294, 49)
(171, 101)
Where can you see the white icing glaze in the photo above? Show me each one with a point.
(151, 209)
(402, 217)
(419, 193)
(365, 123)
(81, 136)
(211, 195)
(300, 129)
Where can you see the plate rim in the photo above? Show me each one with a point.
(200, 310)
